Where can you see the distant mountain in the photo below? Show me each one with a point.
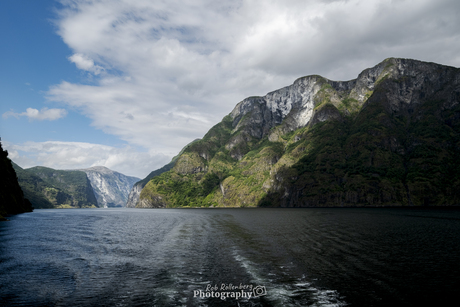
(390, 137)
(49, 188)
(111, 188)
(12, 199)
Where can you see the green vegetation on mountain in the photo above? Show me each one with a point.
(376, 158)
(133, 198)
(12, 199)
(389, 138)
(50, 188)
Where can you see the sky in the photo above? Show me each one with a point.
(127, 84)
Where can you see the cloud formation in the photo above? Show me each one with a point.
(85, 63)
(34, 114)
(166, 71)
(78, 155)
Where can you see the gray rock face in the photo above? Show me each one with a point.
(156, 202)
(416, 81)
(134, 194)
(294, 106)
(260, 114)
(111, 188)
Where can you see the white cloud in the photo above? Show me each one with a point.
(172, 69)
(85, 63)
(77, 155)
(34, 114)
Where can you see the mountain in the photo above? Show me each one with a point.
(12, 199)
(50, 188)
(133, 198)
(111, 188)
(390, 137)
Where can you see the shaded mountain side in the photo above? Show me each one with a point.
(12, 199)
(381, 157)
(388, 138)
(134, 194)
(111, 188)
(50, 188)
(30, 185)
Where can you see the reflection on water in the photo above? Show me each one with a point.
(263, 257)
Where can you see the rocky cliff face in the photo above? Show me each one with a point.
(111, 188)
(134, 195)
(12, 199)
(294, 106)
(389, 137)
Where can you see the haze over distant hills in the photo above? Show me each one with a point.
(390, 137)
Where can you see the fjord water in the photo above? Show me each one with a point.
(163, 257)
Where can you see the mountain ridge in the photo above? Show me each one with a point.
(319, 142)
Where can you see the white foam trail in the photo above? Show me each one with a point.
(299, 293)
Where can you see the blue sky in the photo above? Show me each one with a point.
(126, 84)
(33, 58)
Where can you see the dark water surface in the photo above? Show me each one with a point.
(297, 257)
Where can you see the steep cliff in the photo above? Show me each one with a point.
(50, 188)
(12, 199)
(111, 188)
(389, 137)
(133, 198)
